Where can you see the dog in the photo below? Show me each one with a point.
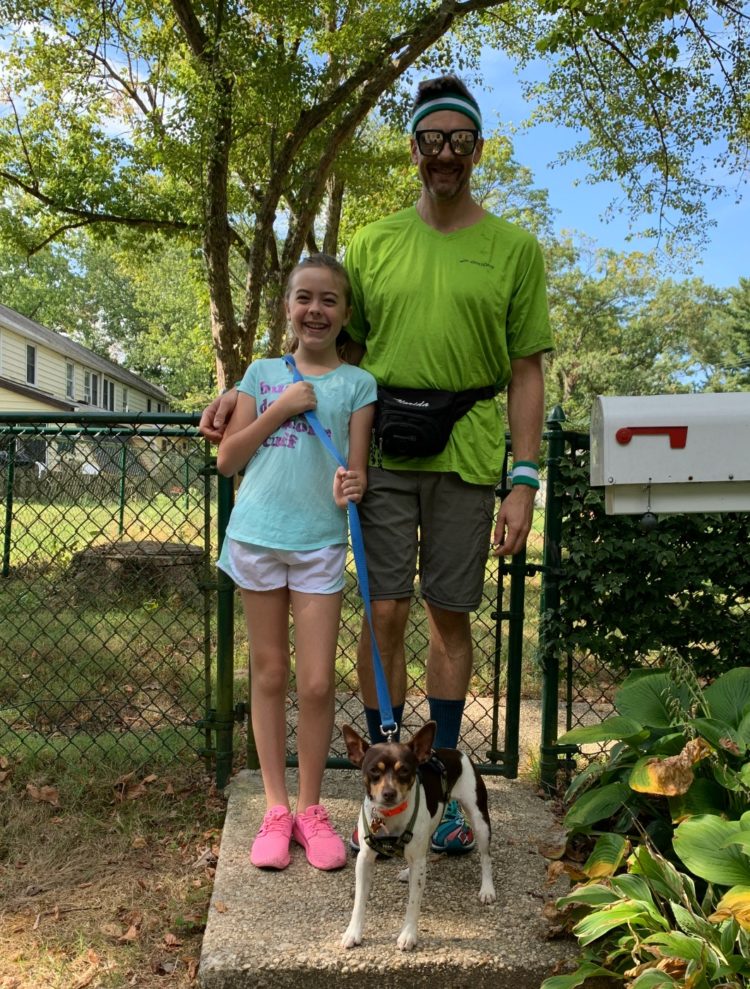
(408, 786)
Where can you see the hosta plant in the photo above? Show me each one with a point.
(647, 928)
(676, 750)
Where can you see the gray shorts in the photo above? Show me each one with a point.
(437, 517)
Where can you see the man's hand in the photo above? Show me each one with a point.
(216, 416)
(348, 485)
(514, 521)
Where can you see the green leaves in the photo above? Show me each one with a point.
(646, 696)
(704, 845)
(596, 805)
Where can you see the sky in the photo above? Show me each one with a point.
(580, 207)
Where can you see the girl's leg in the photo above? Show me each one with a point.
(316, 627)
(267, 617)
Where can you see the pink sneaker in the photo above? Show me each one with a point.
(323, 847)
(271, 846)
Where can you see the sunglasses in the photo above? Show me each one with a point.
(432, 142)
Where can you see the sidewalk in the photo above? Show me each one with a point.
(283, 929)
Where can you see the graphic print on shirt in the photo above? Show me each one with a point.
(286, 434)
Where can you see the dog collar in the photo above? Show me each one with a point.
(392, 845)
(393, 811)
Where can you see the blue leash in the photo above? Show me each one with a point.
(388, 725)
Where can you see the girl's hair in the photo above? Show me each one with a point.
(318, 260)
(321, 261)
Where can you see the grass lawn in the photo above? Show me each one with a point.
(105, 874)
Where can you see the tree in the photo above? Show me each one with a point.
(622, 330)
(144, 305)
(237, 126)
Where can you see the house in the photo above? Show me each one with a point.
(45, 372)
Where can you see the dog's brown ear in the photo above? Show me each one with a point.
(421, 744)
(356, 746)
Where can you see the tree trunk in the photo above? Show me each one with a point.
(333, 215)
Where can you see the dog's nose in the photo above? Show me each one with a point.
(389, 794)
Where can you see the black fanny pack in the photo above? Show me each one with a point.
(417, 422)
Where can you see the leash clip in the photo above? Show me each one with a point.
(390, 733)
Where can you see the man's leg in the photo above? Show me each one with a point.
(449, 668)
(390, 618)
(456, 522)
(389, 514)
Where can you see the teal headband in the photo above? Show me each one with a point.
(450, 101)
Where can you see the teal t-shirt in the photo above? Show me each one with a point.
(285, 500)
(449, 311)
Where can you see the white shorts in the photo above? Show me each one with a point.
(313, 571)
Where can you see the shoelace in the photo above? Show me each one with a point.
(318, 821)
(275, 823)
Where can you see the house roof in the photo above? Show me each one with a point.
(74, 351)
(30, 391)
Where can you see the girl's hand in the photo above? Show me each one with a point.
(297, 398)
(348, 485)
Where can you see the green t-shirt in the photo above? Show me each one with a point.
(449, 311)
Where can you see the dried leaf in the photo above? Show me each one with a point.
(554, 850)
(171, 940)
(131, 934)
(86, 978)
(138, 842)
(554, 871)
(44, 794)
(151, 779)
(220, 906)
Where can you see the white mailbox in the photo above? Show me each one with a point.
(672, 453)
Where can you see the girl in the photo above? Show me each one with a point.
(286, 544)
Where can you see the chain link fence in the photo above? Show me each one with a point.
(104, 587)
(108, 607)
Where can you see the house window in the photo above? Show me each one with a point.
(87, 387)
(148, 405)
(108, 394)
(69, 380)
(94, 389)
(125, 400)
(30, 364)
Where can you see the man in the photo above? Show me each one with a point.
(445, 296)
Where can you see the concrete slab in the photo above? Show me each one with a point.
(283, 929)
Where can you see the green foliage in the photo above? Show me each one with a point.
(677, 72)
(680, 752)
(648, 928)
(622, 329)
(627, 593)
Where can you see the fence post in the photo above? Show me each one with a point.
(8, 507)
(550, 599)
(224, 643)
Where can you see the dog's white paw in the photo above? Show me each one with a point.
(352, 937)
(487, 894)
(407, 939)
(403, 876)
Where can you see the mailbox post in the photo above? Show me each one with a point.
(664, 454)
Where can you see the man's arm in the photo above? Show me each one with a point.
(525, 421)
(216, 416)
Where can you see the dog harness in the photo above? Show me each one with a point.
(393, 845)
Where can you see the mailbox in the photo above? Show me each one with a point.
(672, 453)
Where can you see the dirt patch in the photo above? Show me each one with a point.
(105, 883)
